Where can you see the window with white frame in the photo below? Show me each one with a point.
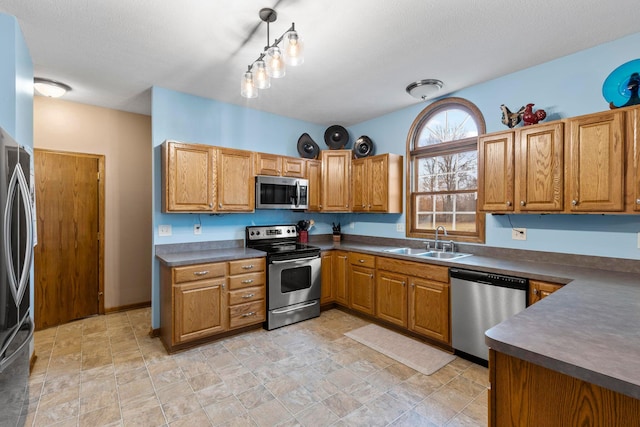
(442, 189)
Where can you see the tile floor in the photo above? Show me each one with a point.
(107, 371)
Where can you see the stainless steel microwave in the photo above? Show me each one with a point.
(276, 192)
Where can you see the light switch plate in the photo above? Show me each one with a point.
(164, 230)
(519, 233)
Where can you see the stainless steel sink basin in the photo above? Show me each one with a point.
(405, 251)
(442, 255)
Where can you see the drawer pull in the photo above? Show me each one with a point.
(247, 267)
(200, 273)
(248, 296)
(251, 313)
(360, 260)
(247, 281)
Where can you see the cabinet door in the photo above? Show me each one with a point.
(381, 183)
(268, 164)
(188, 173)
(200, 309)
(326, 295)
(429, 309)
(235, 183)
(359, 186)
(341, 277)
(539, 290)
(633, 160)
(540, 168)
(391, 297)
(595, 162)
(362, 289)
(293, 167)
(336, 172)
(496, 172)
(314, 175)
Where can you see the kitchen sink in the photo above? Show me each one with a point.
(442, 255)
(406, 251)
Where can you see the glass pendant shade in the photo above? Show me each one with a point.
(293, 49)
(261, 79)
(275, 63)
(247, 89)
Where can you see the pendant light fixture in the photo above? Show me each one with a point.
(273, 61)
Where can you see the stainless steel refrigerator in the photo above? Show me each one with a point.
(16, 254)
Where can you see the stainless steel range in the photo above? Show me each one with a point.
(293, 274)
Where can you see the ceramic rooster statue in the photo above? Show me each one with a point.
(511, 119)
(529, 117)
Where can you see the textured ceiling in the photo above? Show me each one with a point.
(360, 54)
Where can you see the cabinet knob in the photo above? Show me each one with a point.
(574, 202)
(360, 260)
(522, 203)
(220, 205)
(371, 276)
(508, 203)
(403, 284)
(210, 205)
(535, 291)
(637, 201)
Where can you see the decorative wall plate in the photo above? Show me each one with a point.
(307, 147)
(363, 147)
(336, 137)
(620, 88)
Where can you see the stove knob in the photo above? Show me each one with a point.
(251, 233)
(257, 233)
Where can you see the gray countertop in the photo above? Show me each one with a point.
(589, 329)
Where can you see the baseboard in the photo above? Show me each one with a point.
(154, 333)
(127, 307)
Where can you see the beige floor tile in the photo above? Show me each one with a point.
(341, 404)
(197, 418)
(255, 397)
(270, 414)
(101, 417)
(317, 415)
(224, 410)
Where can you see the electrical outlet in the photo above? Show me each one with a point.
(519, 233)
(352, 225)
(164, 230)
(197, 228)
(400, 227)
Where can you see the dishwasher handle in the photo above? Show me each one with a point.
(492, 279)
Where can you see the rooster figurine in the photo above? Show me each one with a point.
(511, 119)
(529, 117)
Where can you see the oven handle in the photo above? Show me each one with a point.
(295, 260)
(288, 310)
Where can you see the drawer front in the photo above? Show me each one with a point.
(247, 314)
(438, 273)
(247, 280)
(242, 296)
(198, 272)
(363, 260)
(246, 266)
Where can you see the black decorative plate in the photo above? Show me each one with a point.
(363, 147)
(620, 88)
(336, 137)
(307, 147)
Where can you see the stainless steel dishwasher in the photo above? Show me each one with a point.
(480, 301)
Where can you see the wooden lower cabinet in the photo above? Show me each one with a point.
(429, 309)
(523, 394)
(539, 290)
(340, 270)
(391, 297)
(362, 289)
(203, 300)
(327, 294)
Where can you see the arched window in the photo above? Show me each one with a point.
(442, 175)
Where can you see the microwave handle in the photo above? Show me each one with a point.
(297, 193)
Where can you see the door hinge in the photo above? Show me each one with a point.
(98, 175)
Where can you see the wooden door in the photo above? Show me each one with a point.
(235, 181)
(391, 297)
(314, 175)
(188, 172)
(68, 258)
(341, 277)
(200, 309)
(362, 289)
(595, 162)
(496, 172)
(540, 168)
(378, 178)
(359, 186)
(268, 164)
(429, 309)
(336, 172)
(293, 167)
(326, 295)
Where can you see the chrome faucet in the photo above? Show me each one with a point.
(437, 229)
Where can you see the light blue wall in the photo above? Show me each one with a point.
(566, 87)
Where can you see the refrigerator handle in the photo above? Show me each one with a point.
(23, 285)
(8, 360)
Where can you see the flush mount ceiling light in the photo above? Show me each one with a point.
(50, 88)
(273, 60)
(424, 89)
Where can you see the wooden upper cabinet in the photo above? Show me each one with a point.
(235, 180)
(314, 175)
(188, 175)
(336, 177)
(595, 162)
(496, 172)
(633, 160)
(539, 168)
(275, 165)
(376, 184)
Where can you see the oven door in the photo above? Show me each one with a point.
(292, 281)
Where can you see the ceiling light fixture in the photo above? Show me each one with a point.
(272, 61)
(50, 88)
(424, 89)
